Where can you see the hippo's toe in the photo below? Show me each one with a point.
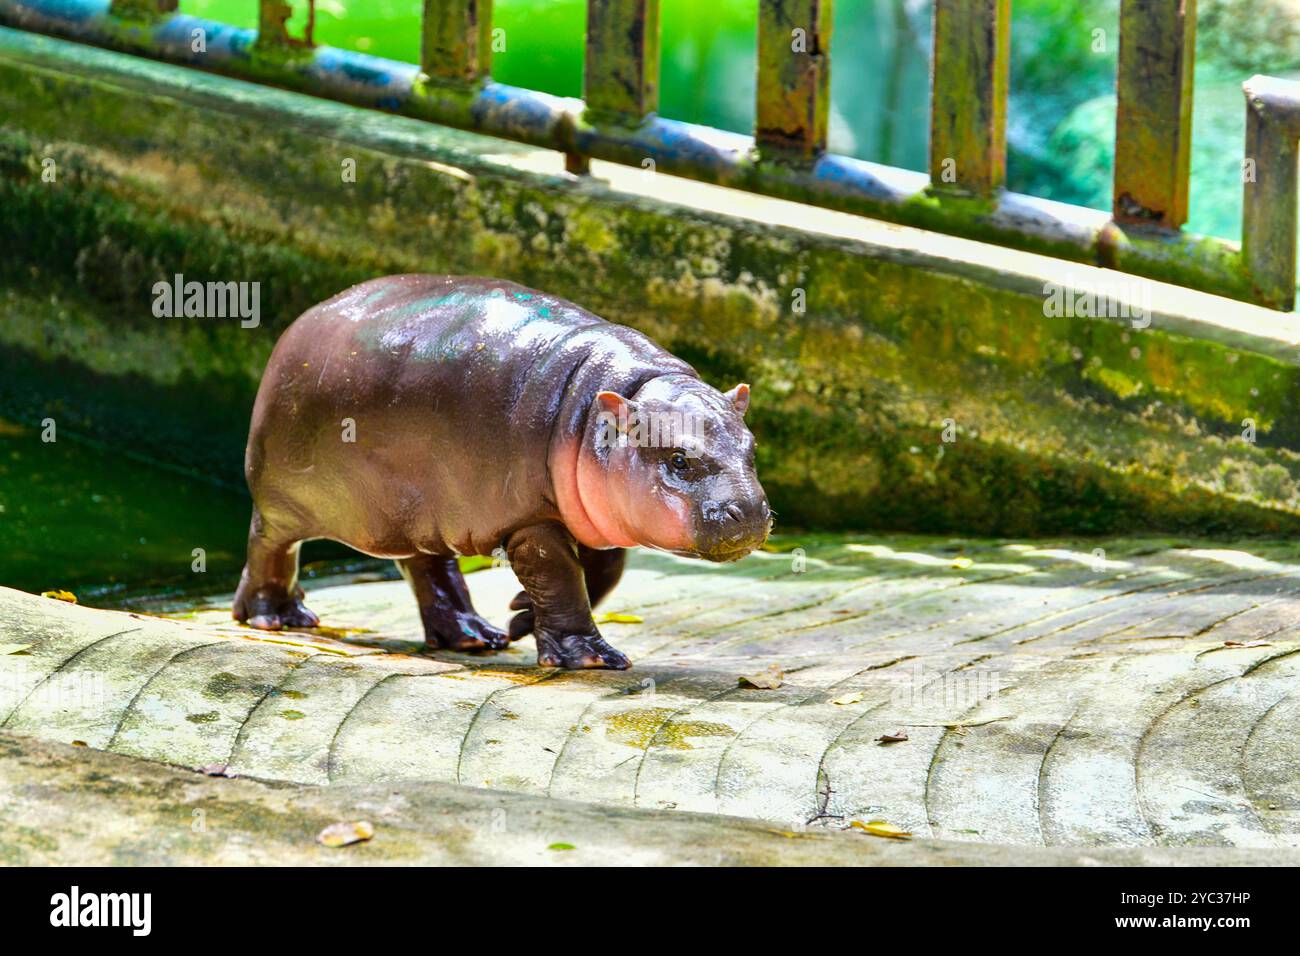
(273, 609)
(468, 633)
(579, 652)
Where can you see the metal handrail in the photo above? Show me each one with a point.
(964, 194)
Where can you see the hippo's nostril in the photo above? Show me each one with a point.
(734, 512)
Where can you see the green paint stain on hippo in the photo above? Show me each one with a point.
(427, 304)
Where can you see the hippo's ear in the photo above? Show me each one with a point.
(616, 407)
(739, 398)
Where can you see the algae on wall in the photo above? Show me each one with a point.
(890, 392)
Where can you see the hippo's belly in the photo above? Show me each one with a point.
(415, 413)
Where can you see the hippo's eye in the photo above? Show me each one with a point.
(679, 462)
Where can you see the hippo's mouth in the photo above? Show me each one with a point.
(723, 553)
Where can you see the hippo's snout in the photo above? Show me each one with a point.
(732, 529)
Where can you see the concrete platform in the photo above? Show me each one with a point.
(1112, 694)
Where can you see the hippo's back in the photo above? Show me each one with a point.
(419, 398)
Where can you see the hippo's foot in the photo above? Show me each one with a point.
(578, 651)
(273, 608)
(521, 625)
(464, 632)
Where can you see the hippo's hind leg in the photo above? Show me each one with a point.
(546, 562)
(269, 597)
(449, 618)
(601, 569)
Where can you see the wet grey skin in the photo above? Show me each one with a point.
(421, 418)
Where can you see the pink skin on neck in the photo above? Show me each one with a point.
(602, 509)
(582, 497)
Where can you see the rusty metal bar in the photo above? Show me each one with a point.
(1269, 189)
(272, 23)
(968, 107)
(794, 75)
(621, 81)
(683, 149)
(456, 40)
(1153, 126)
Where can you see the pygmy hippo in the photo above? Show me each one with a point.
(420, 417)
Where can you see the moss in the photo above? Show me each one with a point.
(22, 841)
(649, 726)
(1060, 424)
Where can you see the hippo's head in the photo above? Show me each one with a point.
(672, 467)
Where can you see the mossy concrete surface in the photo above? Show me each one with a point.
(68, 806)
(1066, 697)
(902, 380)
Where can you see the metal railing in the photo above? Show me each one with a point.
(964, 193)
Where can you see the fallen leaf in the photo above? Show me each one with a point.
(897, 737)
(345, 834)
(561, 846)
(216, 770)
(769, 679)
(1247, 644)
(853, 698)
(60, 596)
(961, 564)
(616, 617)
(13, 648)
(882, 829)
(475, 562)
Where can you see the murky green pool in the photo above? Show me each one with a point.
(101, 525)
(112, 529)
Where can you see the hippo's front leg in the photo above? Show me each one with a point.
(545, 559)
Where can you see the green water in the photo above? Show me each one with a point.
(90, 521)
(113, 529)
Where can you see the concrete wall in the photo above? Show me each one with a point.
(1057, 423)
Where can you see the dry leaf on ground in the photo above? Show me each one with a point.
(216, 770)
(769, 679)
(345, 834)
(617, 617)
(882, 829)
